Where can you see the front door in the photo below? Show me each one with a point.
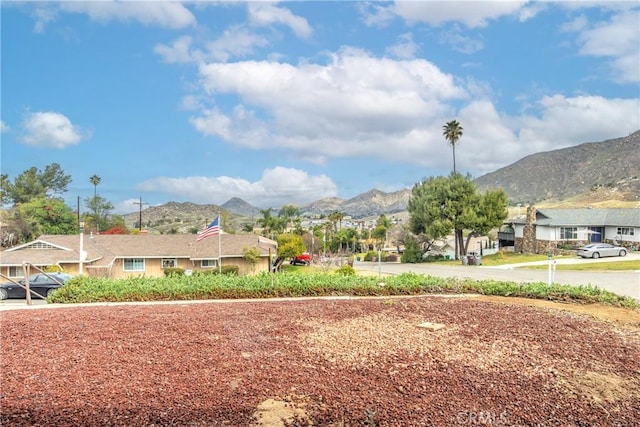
(595, 234)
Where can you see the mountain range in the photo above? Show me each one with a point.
(588, 173)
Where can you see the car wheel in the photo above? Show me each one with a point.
(4, 294)
(49, 292)
(595, 255)
(623, 252)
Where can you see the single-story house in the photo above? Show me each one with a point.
(126, 255)
(544, 230)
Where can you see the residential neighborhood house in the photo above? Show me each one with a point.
(126, 255)
(546, 230)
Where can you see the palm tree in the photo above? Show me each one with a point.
(95, 180)
(452, 132)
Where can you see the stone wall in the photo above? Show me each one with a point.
(528, 244)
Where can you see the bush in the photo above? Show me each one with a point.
(346, 270)
(371, 256)
(391, 258)
(412, 253)
(174, 271)
(230, 269)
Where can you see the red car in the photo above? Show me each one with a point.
(302, 259)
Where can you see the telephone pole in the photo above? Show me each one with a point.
(140, 220)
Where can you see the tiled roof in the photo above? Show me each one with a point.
(103, 249)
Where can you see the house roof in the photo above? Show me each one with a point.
(103, 249)
(587, 217)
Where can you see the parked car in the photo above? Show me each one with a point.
(40, 283)
(303, 259)
(597, 250)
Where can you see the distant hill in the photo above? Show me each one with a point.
(240, 207)
(594, 170)
(181, 217)
(371, 203)
(585, 175)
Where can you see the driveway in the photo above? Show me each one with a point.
(620, 282)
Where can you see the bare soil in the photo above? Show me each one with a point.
(322, 362)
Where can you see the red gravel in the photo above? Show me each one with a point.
(337, 362)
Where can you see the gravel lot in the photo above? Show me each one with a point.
(321, 362)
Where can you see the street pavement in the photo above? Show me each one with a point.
(620, 282)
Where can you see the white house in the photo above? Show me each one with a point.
(545, 230)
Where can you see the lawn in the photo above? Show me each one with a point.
(600, 266)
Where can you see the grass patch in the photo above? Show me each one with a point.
(83, 289)
(512, 258)
(594, 266)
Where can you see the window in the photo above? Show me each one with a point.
(625, 231)
(169, 263)
(134, 264)
(568, 233)
(16, 271)
(208, 263)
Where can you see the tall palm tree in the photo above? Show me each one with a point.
(95, 180)
(452, 132)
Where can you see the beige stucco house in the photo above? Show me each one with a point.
(121, 256)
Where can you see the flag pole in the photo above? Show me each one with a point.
(219, 245)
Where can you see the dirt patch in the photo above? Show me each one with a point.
(621, 316)
(280, 412)
(602, 387)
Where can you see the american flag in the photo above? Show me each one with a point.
(212, 229)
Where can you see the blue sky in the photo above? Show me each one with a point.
(290, 102)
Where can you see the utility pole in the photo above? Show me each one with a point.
(140, 220)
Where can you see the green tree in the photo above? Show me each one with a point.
(95, 180)
(336, 218)
(99, 212)
(290, 245)
(439, 205)
(33, 184)
(452, 132)
(47, 216)
(252, 255)
(266, 222)
(289, 213)
(412, 252)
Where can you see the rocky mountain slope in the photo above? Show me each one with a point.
(611, 167)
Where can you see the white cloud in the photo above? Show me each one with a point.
(127, 206)
(178, 52)
(352, 106)
(236, 41)
(469, 13)
(359, 106)
(172, 15)
(43, 15)
(4, 127)
(266, 14)
(460, 42)
(563, 121)
(618, 39)
(277, 187)
(50, 129)
(405, 48)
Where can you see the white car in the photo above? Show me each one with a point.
(597, 250)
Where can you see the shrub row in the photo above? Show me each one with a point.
(85, 289)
